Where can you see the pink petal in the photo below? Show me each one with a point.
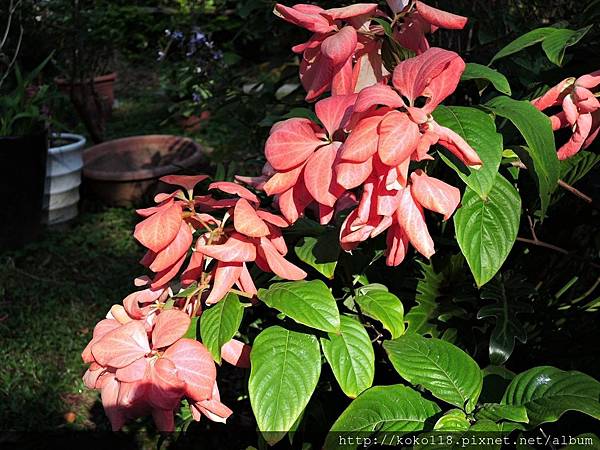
(236, 353)
(195, 366)
(362, 142)
(175, 250)
(122, 346)
(273, 219)
(342, 82)
(434, 194)
(110, 395)
(378, 94)
(334, 112)
(433, 75)
(350, 175)
(278, 264)
(574, 144)
(312, 21)
(225, 275)
(291, 144)
(164, 420)
(339, 47)
(91, 377)
(237, 248)
(245, 282)
(282, 181)
(170, 325)
(398, 138)
(167, 387)
(319, 173)
(158, 230)
(346, 12)
(439, 18)
(188, 182)
(133, 372)
(316, 73)
(397, 246)
(166, 275)
(247, 222)
(410, 217)
(234, 189)
(458, 146)
(294, 201)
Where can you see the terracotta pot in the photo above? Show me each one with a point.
(104, 86)
(125, 172)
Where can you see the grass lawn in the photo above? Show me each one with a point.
(52, 293)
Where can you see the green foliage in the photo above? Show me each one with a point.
(321, 252)
(486, 229)
(547, 393)
(394, 408)
(479, 130)
(285, 369)
(383, 306)
(307, 302)
(440, 367)
(219, 324)
(351, 357)
(540, 153)
(474, 71)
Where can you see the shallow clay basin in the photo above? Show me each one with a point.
(125, 172)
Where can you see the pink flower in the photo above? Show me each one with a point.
(327, 57)
(302, 154)
(420, 20)
(580, 111)
(140, 371)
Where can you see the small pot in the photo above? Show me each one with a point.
(125, 172)
(63, 177)
(23, 164)
(104, 86)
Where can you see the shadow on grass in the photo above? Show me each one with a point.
(52, 293)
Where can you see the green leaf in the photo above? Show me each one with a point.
(285, 368)
(219, 323)
(382, 409)
(387, 29)
(587, 441)
(307, 302)
(192, 332)
(487, 229)
(527, 40)
(547, 393)
(498, 413)
(474, 71)
(351, 357)
(541, 150)
(508, 327)
(320, 253)
(555, 45)
(384, 307)
(479, 130)
(576, 167)
(428, 290)
(440, 367)
(453, 420)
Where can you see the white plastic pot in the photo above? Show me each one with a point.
(63, 177)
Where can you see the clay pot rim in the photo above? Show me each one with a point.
(95, 151)
(108, 78)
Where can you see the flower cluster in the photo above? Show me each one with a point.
(580, 111)
(344, 53)
(139, 358)
(370, 132)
